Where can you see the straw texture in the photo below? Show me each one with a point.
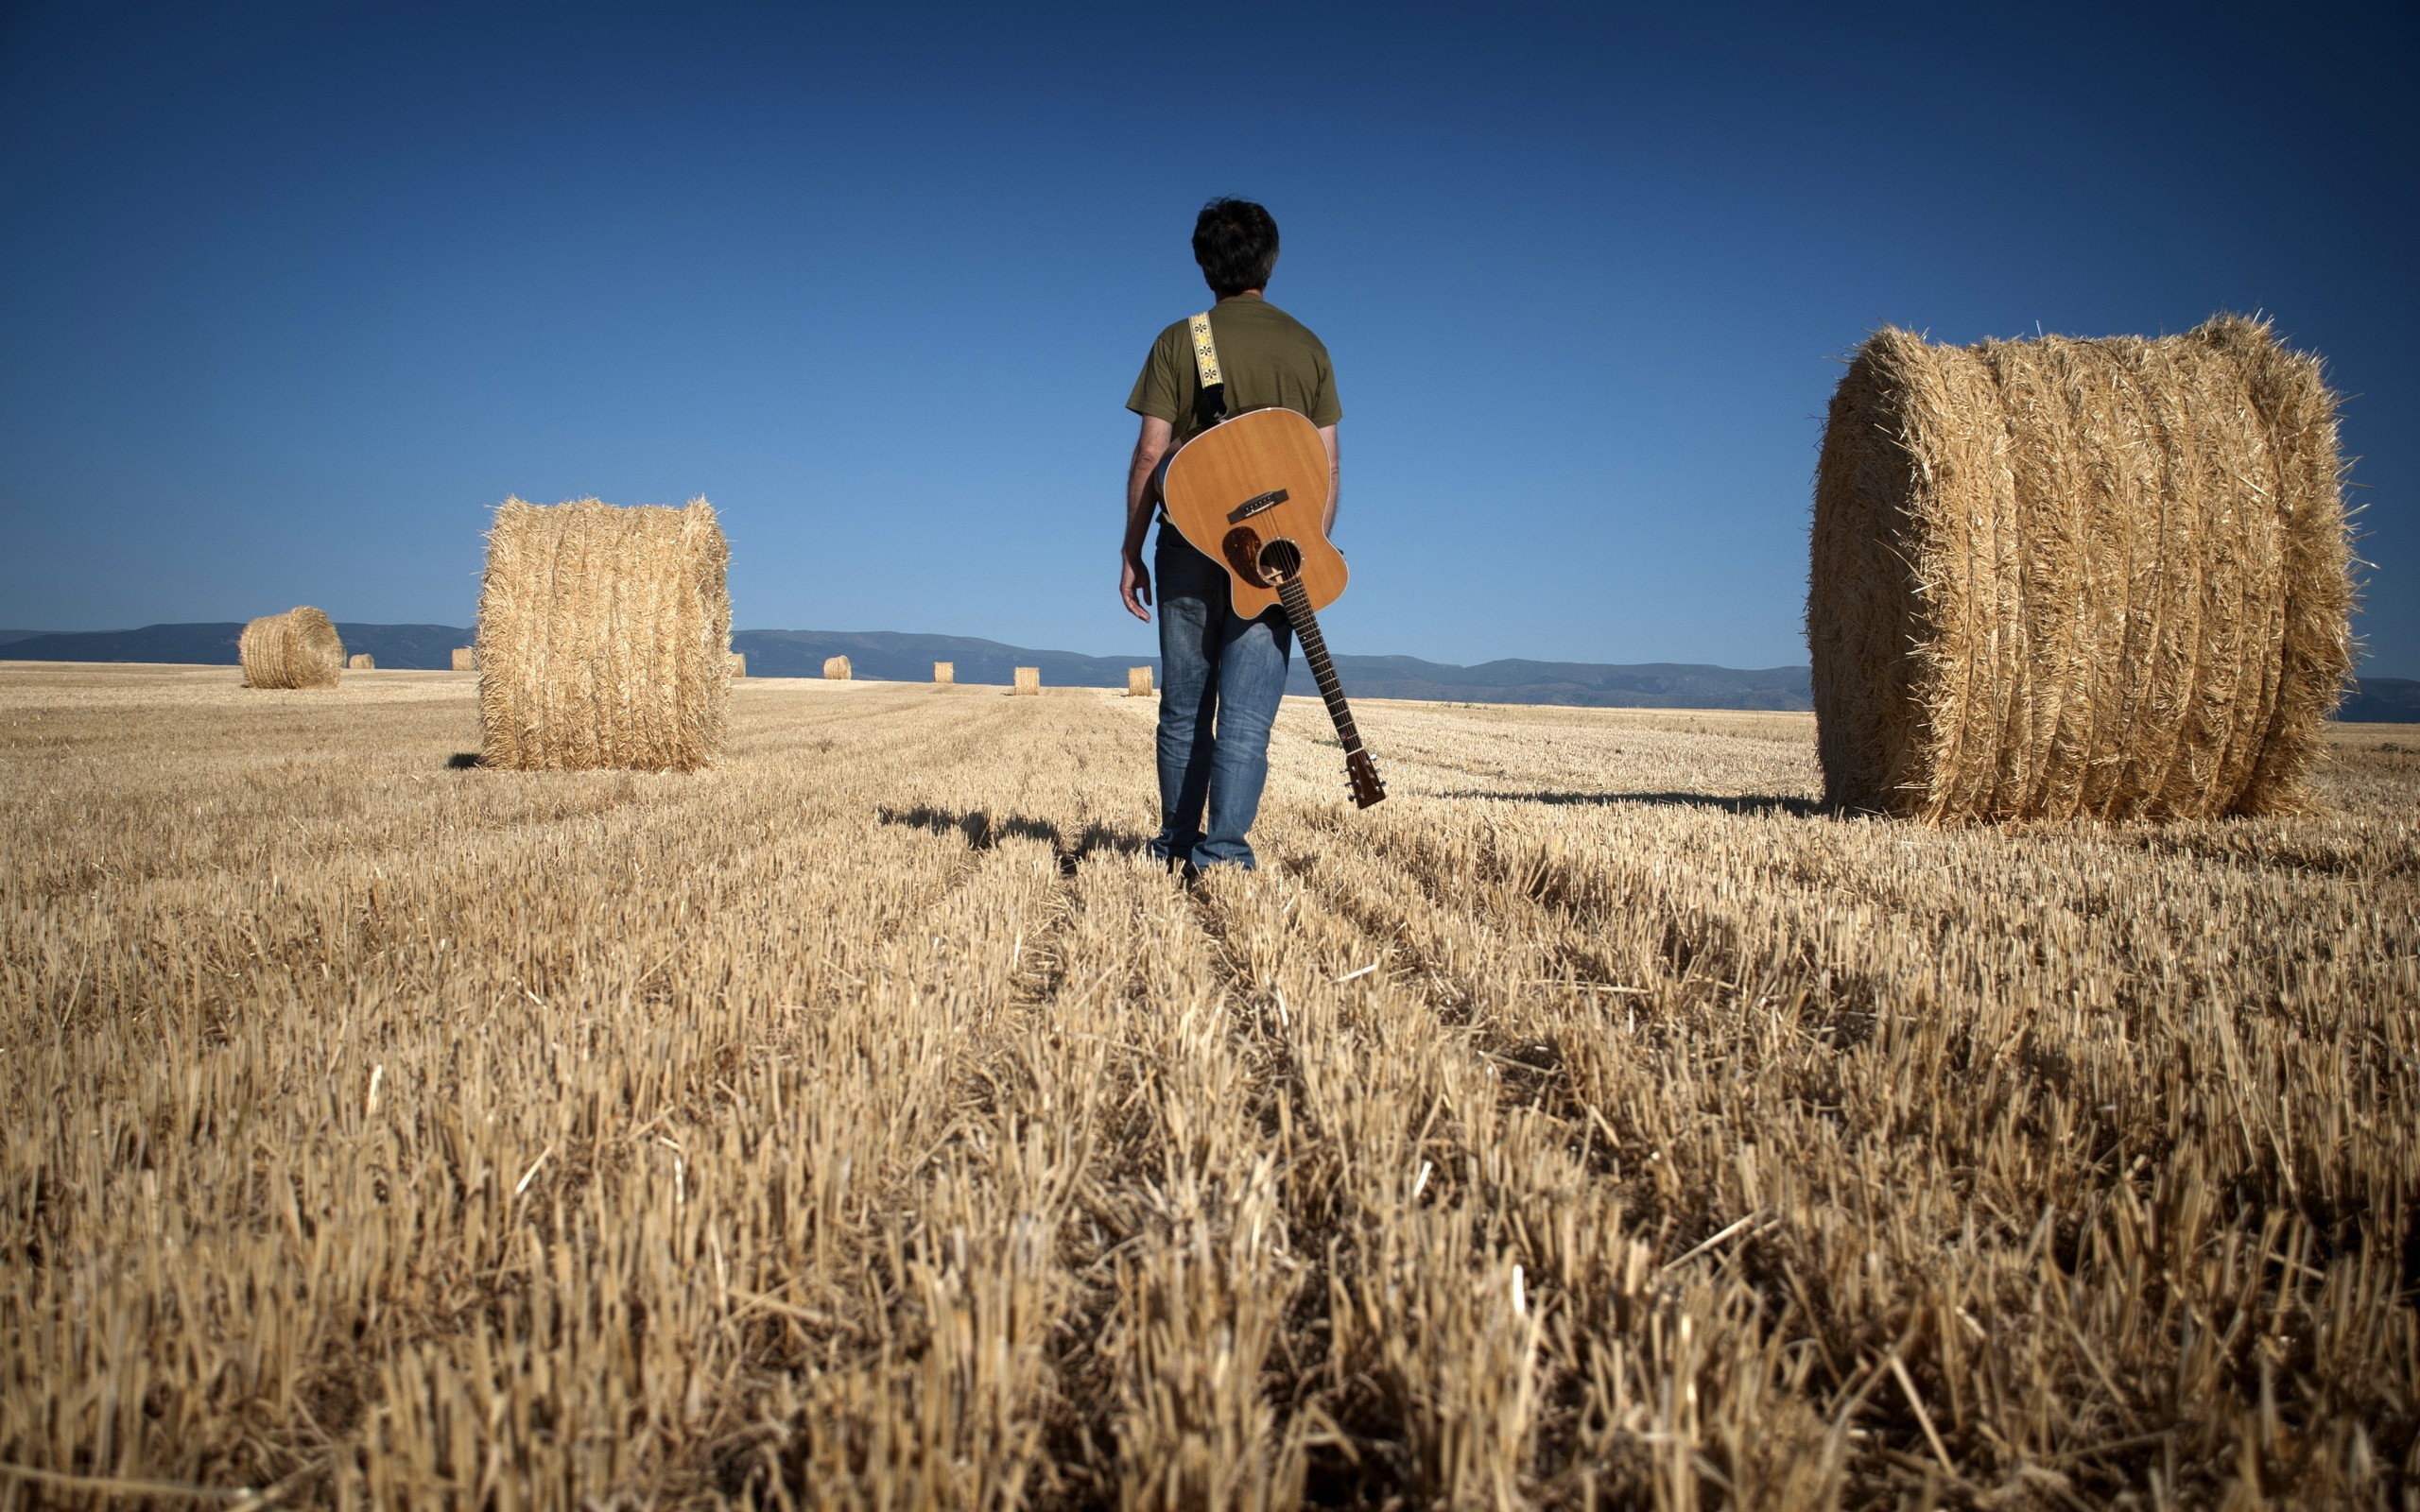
(2059, 578)
(465, 658)
(944, 672)
(1138, 683)
(361, 662)
(604, 637)
(1028, 681)
(835, 668)
(297, 649)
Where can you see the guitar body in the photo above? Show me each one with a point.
(1259, 477)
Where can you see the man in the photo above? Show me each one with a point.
(1221, 676)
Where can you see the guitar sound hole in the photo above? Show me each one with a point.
(1244, 554)
(1281, 559)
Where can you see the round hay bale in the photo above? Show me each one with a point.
(944, 672)
(2059, 578)
(361, 662)
(465, 658)
(1028, 682)
(604, 636)
(1138, 683)
(298, 648)
(835, 668)
(738, 663)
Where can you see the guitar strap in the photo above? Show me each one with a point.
(1210, 404)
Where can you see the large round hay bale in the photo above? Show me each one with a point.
(603, 637)
(738, 663)
(946, 672)
(835, 668)
(1138, 683)
(2064, 578)
(298, 648)
(466, 659)
(361, 662)
(1028, 682)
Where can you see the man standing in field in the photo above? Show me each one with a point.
(1221, 676)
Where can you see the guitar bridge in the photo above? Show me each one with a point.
(1254, 505)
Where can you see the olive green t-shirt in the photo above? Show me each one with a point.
(1268, 359)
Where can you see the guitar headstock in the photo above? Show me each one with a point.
(1363, 777)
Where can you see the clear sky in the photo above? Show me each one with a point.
(291, 296)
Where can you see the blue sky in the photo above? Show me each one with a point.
(290, 297)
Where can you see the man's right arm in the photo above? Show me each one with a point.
(1134, 577)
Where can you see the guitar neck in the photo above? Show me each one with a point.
(1307, 629)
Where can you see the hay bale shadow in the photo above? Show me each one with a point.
(462, 760)
(1753, 803)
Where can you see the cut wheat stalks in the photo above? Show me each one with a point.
(2057, 578)
(603, 637)
(297, 649)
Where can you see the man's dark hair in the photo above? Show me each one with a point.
(1236, 243)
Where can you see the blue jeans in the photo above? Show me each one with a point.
(1221, 679)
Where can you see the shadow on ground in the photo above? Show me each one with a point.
(1803, 808)
(984, 830)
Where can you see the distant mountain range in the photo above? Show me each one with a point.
(392, 645)
(887, 655)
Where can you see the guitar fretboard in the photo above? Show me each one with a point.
(1296, 600)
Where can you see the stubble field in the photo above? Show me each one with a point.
(865, 1124)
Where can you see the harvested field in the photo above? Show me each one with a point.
(862, 1122)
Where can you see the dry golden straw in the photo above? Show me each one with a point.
(944, 672)
(1030, 681)
(738, 663)
(2060, 578)
(604, 637)
(876, 1124)
(465, 658)
(361, 662)
(1138, 683)
(835, 668)
(296, 649)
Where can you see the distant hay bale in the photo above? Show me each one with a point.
(2058, 578)
(1030, 681)
(361, 662)
(738, 663)
(298, 648)
(836, 669)
(1138, 683)
(944, 672)
(465, 658)
(604, 634)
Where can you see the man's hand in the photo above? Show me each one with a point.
(1135, 585)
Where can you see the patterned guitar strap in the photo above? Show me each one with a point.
(1210, 404)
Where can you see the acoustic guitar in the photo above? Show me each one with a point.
(1252, 492)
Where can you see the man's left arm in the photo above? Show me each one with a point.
(1133, 577)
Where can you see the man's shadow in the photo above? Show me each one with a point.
(1756, 803)
(982, 830)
